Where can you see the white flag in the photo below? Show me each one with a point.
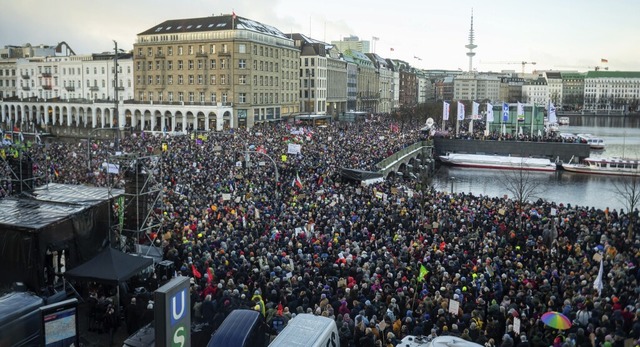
(460, 111)
(597, 284)
(445, 111)
(475, 111)
(520, 110)
(489, 113)
(552, 113)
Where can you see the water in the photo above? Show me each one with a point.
(597, 191)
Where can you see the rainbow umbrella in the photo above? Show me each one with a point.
(556, 320)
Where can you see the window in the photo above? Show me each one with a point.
(158, 65)
(191, 99)
(200, 64)
(201, 49)
(149, 51)
(159, 51)
(200, 80)
(169, 79)
(255, 98)
(169, 50)
(179, 50)
(190, 79)
(170, 96)
(190, 48)
(150, 96)
(255, 50)
(190, 63)
(212, 49)
(149, 79)
(179, 64)
(242, 48)
(224, 48)
(139, 53)
(242, 63)
(213, 80)
(89, 70)
(213, 98)
(223, 63)
(224, 97)
(158, 79)
(169, 65)
(242, 98)
(212, 64)
(149, 65)
(95, 70)
(255, 65)
(255, 80)
(223, 79)
(242, 79)
(138, 65)
(180, 80)
(180, 96)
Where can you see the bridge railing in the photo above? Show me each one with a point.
(384, 165)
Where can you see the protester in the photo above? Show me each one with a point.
(314, 242)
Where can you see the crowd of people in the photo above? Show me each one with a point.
(384, 260)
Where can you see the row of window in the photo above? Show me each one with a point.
(262, 81)
(200, 64)
(201, 49)
(258, 98)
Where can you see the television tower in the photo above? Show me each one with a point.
(471, 45)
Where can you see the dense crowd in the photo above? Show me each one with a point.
(354, 253)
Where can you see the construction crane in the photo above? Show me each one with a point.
(523, 63)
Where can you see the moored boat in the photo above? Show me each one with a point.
(593, 141)
(563, 120)
(605, 166)
(498, 162)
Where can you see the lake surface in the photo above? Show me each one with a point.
(562, 187)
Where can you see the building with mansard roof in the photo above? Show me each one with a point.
(221, 62)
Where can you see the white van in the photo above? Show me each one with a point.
(307, 330)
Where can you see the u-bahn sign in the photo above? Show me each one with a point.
(172, 314)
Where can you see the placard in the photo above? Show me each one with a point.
(293, 148)
(454, 306)
(516, 325)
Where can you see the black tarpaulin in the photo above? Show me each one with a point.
(359, 175)
(110, 266)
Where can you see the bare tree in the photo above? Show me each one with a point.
(628, 191)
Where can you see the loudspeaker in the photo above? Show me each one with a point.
(166, 268)
(23, 169)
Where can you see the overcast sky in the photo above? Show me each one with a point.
(556, 34)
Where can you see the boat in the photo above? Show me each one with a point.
(563, 120)
(605, 166)
(498, 162)
(593, 141)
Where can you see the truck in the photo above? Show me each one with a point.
(308, 330)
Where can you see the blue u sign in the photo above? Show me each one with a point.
(178, 306)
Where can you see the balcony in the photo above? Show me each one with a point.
(46, 87)
(70, 88)
(46, 74)
(120, 88)
(138, 56)
(94, 88)
(26, 77)
(160, 56)
(227, 54)
(27, 88)
(201, 55)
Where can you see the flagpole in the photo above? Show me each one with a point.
(533, 115)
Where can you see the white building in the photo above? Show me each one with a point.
(554, 85)
(88, 77)
(611, 90)
(535, 92)
(472, 86)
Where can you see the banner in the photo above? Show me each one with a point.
(475, 110)
(505, 112)
(445, 111)
(520, 112)
(489, 113)
(552, 113)
(294, 148)
(460, 111)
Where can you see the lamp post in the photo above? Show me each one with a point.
(452, 179)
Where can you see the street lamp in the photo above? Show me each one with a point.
(452, 179)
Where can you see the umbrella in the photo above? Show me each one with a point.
(556, 320)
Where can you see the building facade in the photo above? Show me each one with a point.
(535, 92)
(219, 61)
(554, 86)
(352, 43)
(573, 90)
(612, 91)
